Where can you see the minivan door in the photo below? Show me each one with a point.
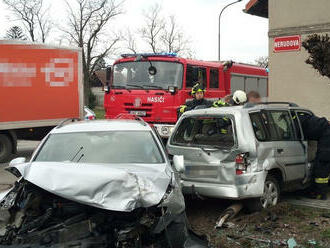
(288, 149)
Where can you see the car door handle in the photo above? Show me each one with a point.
(280, 150)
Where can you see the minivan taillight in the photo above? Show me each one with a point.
(241, 163)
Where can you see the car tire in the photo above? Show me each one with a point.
(6, 148)
(270, 197)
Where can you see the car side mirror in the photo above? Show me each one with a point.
(178, 161)
(16, 161)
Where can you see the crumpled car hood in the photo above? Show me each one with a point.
(114, 187)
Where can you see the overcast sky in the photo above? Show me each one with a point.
(243, 37)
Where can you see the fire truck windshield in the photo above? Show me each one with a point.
(135, 75)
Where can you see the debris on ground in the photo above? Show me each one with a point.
(292, 243)
(228, 214)
(280, 226)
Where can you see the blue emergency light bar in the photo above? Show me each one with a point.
(126, 55)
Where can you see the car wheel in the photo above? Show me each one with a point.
(270, 197)
(5, 147)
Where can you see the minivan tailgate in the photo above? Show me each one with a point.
(215, 166)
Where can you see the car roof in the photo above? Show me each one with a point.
(241, 109)
(102, 125)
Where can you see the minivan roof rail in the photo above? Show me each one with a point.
(250, 104)
(131, 117)
(66, 120)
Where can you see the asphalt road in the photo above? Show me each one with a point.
(25, 149)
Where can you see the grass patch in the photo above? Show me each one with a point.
(99, 112)
(326, 234)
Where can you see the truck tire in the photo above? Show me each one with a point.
(6, 148)
(270, 198)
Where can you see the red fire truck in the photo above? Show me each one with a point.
(153, 86)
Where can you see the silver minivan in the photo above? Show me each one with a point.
(244, 152)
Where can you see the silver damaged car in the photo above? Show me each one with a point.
(246, 152)
(96, 184)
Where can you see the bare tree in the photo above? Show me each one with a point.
(33, 15)
(44, 22)
(164, 34)
(154, 26)
(173, 38)
(131, 41)
(262, 61)
(87, 19)
(15, 33)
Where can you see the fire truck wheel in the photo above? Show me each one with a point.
(5, 148)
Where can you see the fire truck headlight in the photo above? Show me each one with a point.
(106, 88)
(172, 89)
(165, 130)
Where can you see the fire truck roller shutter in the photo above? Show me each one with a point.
(263, 88)
(237, 83)
(248, 83)
(251, 83)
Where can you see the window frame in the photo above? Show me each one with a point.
(205, 85)
(267, 126)
(229, 116)
(266, 131)
(217, 78)
(291, 121)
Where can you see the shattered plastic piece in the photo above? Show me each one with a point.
(229, 225)
(292, 243)
(312, 242)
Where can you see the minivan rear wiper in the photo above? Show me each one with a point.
(210, 149)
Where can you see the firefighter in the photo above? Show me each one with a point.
(239, 97)
(316, 128)
(197, 93)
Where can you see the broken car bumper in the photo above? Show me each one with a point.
(249, 185)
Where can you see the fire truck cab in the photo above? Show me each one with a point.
(153, 86)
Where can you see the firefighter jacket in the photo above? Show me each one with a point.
(219, 103)
(316, 128)
(193, 104)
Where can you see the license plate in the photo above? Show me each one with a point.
(138, 113)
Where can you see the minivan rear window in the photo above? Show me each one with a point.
(205, 131)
